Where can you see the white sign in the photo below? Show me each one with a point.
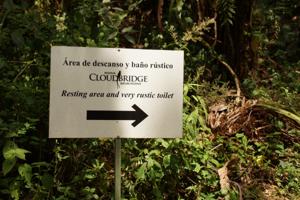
(110, 92)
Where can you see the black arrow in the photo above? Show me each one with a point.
(138, 115)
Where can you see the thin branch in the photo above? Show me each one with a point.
(235, 77)
(215, 30)
(198, 11)
(215, 147)
(215, 24)
(160, 14)
(3, 19)
(274, 62)
(240, 189)
(22, 70)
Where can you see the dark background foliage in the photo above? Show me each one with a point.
(226, 42)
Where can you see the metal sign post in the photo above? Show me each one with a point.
(118, 168)
(115, 93)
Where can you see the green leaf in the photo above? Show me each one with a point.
(130, 39)
(25, 171)
(167, 161)
(11, 151)
(11, 134)
(155, 163)
(14, 190)
(40, 164)
(140, 173)
(89, 176)
(112, 35)
(215, 162)
(128, 30)
(7, 165)
(20, 153)
(154, 152)
(15, 194)
(179, 5)
(150, 162)
(47, 180)
(244, 141)
(163, 142)
(239, 135)
(197, 168)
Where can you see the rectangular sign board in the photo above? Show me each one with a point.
(115, 92)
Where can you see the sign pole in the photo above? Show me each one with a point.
(118, 168)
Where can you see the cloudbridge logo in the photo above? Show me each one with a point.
(119, 78)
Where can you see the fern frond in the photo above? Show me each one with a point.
(226, 10)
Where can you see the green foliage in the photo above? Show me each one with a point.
(277, 40)
(287, 176)
(35, 167)
(226, 11)
(184, 165)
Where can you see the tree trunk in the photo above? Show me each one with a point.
(235, 44)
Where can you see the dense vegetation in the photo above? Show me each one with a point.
(241, 137)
